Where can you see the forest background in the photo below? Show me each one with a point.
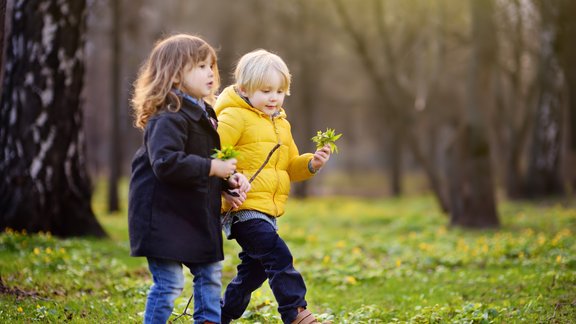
(471, 103)
(468, 100)
(404, 81)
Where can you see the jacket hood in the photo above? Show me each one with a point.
(230, 99)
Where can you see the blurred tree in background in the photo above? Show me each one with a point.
(44, 184)
(471, 188)
(567, 51)
(2, 35)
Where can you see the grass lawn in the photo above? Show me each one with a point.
(364, 261)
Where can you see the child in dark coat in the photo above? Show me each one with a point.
(175, 187)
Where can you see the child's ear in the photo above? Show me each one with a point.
(243, 92)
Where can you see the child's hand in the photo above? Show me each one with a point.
(240, 182)
(321, 156)
(234, 197)
(222, 169)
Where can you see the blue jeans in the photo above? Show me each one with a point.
(169, 282)
(264, 256)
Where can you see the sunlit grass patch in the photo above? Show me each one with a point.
(363, 260)
(55, 280)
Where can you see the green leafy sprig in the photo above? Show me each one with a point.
(226, 153)
(328, 137)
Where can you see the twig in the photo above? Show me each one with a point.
(185, 312)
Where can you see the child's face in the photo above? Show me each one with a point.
(268, 98)
(198, 80)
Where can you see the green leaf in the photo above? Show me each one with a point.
(226, 153)
(328, 137)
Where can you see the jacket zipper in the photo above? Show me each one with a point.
(277, 132)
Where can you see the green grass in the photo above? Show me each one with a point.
(364, 261)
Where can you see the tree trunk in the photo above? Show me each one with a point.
(4, 12)
(115, 106)
(567, 53)
(395, 154)
(544, 176)
(510, 120)
(44, 185)
(472, 202)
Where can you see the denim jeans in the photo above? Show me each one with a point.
(169, 282)
(264, 256)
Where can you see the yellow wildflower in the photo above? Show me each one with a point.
(441, 230)
(541, 239)
(528, 232)
(424, 247)
(351, 280)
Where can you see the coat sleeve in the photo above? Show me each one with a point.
(166, 138)
(298, 166)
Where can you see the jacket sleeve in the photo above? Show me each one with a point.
(298, 166)
(165, 139)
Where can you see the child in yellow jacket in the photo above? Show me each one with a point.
(252, 120)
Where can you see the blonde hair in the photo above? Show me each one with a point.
(253, 71)
(160, 73)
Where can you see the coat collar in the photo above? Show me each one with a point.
(199, 115)
(192, 110)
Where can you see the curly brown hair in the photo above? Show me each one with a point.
(161, 71)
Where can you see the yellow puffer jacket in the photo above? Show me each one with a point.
(253, 134)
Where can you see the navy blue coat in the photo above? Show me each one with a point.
(173, 205)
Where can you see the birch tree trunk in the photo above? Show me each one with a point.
(3, 31)
(44, 185)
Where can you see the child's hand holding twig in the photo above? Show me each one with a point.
(240, 182)
(235, 197)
